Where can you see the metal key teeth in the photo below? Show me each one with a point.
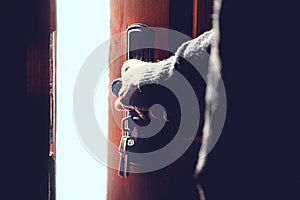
(121, 167)
(124, 164)
(124, 167)
(127, 167)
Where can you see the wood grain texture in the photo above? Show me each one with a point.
(204, 16)
(175, 181)
(123, 14)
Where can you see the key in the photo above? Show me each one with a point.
(127, 141)
(124, 165)
(123, 156)
(130, 142)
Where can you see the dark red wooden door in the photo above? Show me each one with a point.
(183, 16)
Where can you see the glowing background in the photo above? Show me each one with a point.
(81, 27)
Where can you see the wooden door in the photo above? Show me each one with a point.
(185, 17)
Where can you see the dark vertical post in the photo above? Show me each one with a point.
(38, 26)
(52, 106)
(25, 99)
